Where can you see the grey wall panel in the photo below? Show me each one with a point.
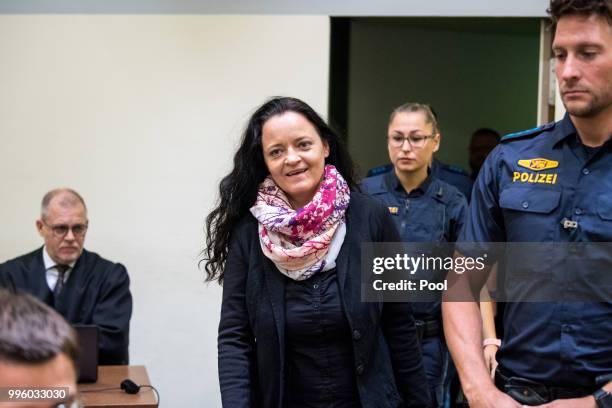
(501, 8)
(474, 72)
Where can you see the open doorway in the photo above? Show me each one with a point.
(475, 72)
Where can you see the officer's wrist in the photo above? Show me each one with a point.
(481, 390)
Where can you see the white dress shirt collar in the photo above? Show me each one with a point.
(51, 272)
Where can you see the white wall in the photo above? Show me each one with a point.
(141, 114)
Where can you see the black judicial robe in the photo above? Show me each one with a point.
(96, 292)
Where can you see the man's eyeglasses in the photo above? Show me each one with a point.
(415, 141)
(60, 230)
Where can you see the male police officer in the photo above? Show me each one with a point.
(557, 353)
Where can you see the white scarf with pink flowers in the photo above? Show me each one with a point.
(305, 241)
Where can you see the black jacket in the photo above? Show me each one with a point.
(96, 292)
(251, 342)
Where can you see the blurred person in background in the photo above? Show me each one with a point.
(483, 140)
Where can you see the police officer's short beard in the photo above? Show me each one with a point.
(592, 109)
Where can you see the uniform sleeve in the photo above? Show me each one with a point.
(465, 186)
(484, 221)
(367, 185)
(401, 336)
(112, 315)
(458, 216)
(236, 341)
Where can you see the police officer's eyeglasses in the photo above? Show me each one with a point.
(415, 141)
(60, 230)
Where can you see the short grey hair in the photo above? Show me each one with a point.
(70, 199)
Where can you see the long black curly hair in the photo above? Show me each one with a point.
(238, 190)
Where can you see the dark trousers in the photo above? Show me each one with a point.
(532, 393)
(435, 361)
(529, 392)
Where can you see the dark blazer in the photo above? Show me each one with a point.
(97, 292)
(251, 342)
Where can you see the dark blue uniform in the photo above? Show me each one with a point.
(453, 175)
(529, 185)
(433, 212)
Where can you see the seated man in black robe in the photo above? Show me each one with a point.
(82, 286)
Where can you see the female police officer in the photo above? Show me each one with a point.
(425, 209)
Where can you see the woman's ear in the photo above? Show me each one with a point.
(437, 138)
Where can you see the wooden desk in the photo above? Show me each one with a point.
(112, 376)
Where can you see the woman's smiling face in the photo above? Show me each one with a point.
(295, 156)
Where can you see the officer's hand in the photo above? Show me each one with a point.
(493, 398)
(489, 357)
(585, 402)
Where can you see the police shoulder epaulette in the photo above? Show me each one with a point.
(528, 133)
(455, 169)
(379, 170)
(440, 190)
(444, 192)
(373, 184)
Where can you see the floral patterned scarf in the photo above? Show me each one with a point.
(305, 241)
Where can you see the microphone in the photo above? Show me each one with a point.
(130, 386)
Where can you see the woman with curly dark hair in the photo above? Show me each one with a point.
(284, 240)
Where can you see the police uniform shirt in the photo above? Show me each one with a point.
(453, 175)
(530, 187)
(433, 212)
